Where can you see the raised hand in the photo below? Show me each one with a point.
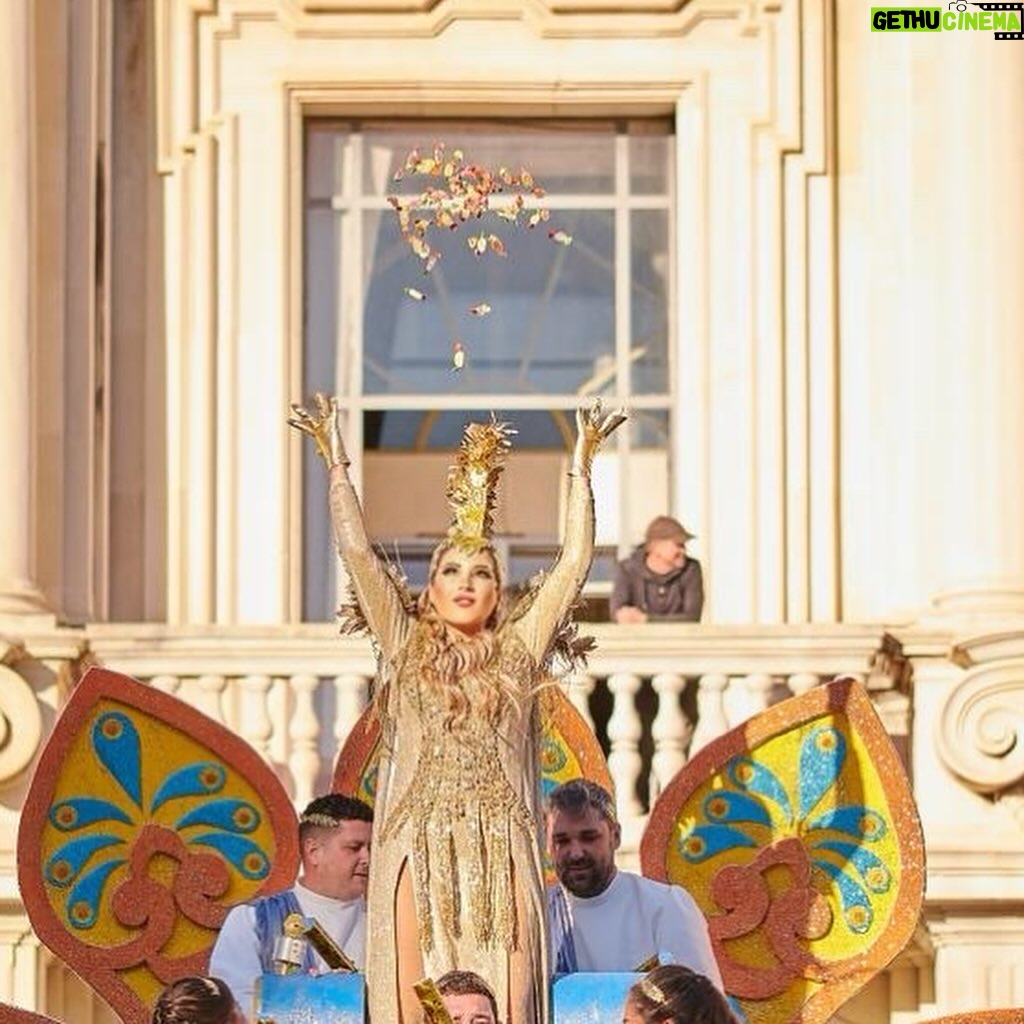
(592, 427)
(323, 427)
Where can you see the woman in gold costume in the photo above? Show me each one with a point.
(456, 877)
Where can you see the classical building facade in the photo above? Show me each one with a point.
(797, 247)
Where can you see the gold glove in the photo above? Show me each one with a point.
(591, 429)
(323, 428)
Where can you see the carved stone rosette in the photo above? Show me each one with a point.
(980, 732)
(21, 725)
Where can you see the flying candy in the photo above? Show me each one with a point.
(458, 356)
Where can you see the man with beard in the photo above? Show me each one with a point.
(604, 919)
(334, 844)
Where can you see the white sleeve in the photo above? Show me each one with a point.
(236, 956)
(682, 930)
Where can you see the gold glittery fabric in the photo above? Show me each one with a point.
(457, 800)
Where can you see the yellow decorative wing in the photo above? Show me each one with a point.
(797, 835)
(144, 823)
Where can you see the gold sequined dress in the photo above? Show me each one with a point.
(456, 877)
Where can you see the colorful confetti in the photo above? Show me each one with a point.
(458, 192)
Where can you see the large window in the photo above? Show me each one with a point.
(567, 322)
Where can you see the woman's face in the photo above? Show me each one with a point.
(630, 1014)
(464, 589)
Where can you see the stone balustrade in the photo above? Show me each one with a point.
(654, 693)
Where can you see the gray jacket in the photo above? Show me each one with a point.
(677, 595)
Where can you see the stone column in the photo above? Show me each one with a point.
(931, 144)
(18, 596)
(969, 259)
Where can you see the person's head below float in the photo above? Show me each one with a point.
(651, 583)
(673, 994)
(468, 998)
(335, 833)
(582, 836)
(197, 1000)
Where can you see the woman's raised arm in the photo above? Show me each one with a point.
(374, 589)
(564, 582)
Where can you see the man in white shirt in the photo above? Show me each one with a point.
(334, 842)
(603, 919)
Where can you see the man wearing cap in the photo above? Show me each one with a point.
(334, 844)
(659, 580)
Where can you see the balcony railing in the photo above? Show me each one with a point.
(653, 693)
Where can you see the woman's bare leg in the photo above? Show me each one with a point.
(408, 957)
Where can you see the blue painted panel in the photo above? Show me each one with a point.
(590, 998)
(304, 998)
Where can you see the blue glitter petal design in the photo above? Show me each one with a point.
(189, 781)
(86, 810)
(762, 781)
(737, 807)
(715, 839)
(822, 754)
(859, 822)
(222, 814)
(83, 901)
(877, 877)
(116, 742)
(73, 856)
(857, 910)
(236, 850)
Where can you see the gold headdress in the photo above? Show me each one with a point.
(652, 991)
(473, 481)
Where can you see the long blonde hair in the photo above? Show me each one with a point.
(446, 658)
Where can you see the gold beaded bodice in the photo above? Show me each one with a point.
(460, 783)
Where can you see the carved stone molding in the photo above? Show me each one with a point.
(980, 731)
(21, 725)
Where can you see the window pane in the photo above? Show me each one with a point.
(325, 144)
(552, 310)
(649, 301)
(434, 430)
(650, 162)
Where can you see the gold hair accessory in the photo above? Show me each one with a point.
(473, 481)
(651, 991)
(319, 819)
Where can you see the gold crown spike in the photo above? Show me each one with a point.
(473, 480)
